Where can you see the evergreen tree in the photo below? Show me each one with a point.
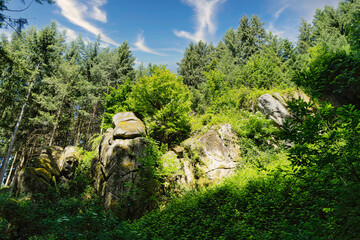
(196, 58)
(247, 39)
(125, 62)
(306, 38)
(15, 23)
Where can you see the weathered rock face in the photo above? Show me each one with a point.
(273, 108)
(127, 125)
(123, 178)
(117, 170)
(53, 165)
(208, 157)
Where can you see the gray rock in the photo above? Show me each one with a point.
(127, 126)
(54, 165)
(273, 109)
(216, 154)
(121, 176)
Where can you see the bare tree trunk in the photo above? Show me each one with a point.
(11, 170)
(77, 135)
(90, 122)
(6, 160)
(56, 122)
(19, 167)
(102, 122)
(103, 115)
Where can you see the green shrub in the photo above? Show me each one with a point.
(331, 74)
(164, 101)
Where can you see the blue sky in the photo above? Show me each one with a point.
(158, 31)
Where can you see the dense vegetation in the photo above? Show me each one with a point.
(299, 181)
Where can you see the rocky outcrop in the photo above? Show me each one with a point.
(273, 108)
(123, 170)
(119, 170)
(54, 165)
(127, 126)
(207, 157)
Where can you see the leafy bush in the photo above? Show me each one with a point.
(326, 140)
(253, 204)
(115, 102)
(265, 71)
(331, 74)
(164, 101)
(60, 217)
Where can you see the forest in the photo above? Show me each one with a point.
(296, 180)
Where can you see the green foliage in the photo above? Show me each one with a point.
(264, 70)
(253, 204)
(215, 82)
(247, 39)
(59, 217)
(164, 101)
(331, 73)
(196, 59)
(306, 37)
(325, 141)
(116, 102)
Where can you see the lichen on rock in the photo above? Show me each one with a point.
(53, 165)
(208, 157)
(118, 169)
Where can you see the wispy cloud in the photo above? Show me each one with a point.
(77, 13)
(280, 11)
(71, 35)
(205, 15)
(296, 9)
(178, 50)
(141, 46)
(96, 12)
(304, 8)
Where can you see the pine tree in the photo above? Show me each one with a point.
(196, 58)
(247, 39)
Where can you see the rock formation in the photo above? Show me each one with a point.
(118, 169)
(207, 157)
(53, 165)
(123, 175)
(273, 108)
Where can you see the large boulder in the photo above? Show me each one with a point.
(273, 108)
(54, 164)
(207, 157)
(127, 125)
(119, 170)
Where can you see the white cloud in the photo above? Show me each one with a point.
(140, 46)
(205, 14)
(77, 12)
(96, 12)
(296, 9)
(280, 11)
(306, 8)
(6, 32)
(71, 35)
(178, 50)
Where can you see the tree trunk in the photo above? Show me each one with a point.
(6, 160)
(78, 129)
(90, 122)
(11, 170)
(18, 168)
(102, 122)
(56, 122)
